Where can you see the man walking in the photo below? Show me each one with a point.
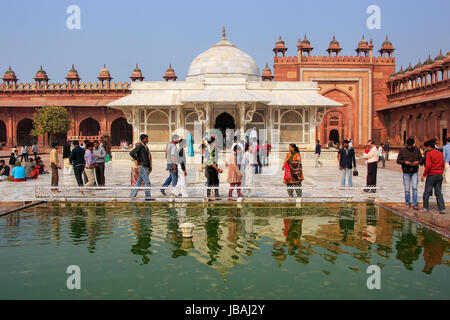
(77, 160)
(381, 155)
(434, 169)
(386, 150)
(35, 149)
(447, 161)
(100, 156)
(144, 162)
(54, 164)
(371, 158)
(317, 154)
(347, 162)
(410, 157)
(89, 161)
(171, 150)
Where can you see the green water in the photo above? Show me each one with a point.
(132, 251)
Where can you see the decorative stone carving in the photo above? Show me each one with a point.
(318, 116)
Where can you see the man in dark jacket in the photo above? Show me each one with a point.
(142, 155)
(347, 162)
(410, 157)
(317, 154)
(386, 149)
(77, 160)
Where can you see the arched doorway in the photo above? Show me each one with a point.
(334, 136)
(89, 127)
(2, 133)
(23, 132)
(121, 130)
(343, 119)
(223, 122)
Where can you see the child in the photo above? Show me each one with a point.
(12, 160)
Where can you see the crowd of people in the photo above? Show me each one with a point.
(22, 167)
(244, 160)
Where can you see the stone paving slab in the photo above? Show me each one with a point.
(432, 219)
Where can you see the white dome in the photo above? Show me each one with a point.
(223, 60)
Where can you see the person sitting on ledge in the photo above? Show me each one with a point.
(18, 173)
(4, 170)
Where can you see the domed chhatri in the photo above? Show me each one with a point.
(223, 60)
(137, 74)
(41, 75)
(440, 56)
(418, 65)
(363, 42)
(10, 79)
(363, 47)
(104, 73)
(280, 43)
(170, 74)
(410, 68)
(304, 46)
(429, 61)
(386, 48)
(334, 47)
(72, 74)
(280, 46)
(267, 73)
(9, 75)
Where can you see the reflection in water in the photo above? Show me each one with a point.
(433, 250)
(143, 231)
(174, 234)
(408, 249)
(231, 238)
(212, 234)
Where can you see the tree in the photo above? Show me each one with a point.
(51, 120)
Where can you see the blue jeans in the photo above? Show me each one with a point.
(173, 177)
(143, 176)
(349, 173)
(408, 179)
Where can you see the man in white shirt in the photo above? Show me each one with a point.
(381, 155)
(371, 158)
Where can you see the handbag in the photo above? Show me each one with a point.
(355, 172)
(107, 158)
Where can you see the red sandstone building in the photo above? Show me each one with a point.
(378, 103)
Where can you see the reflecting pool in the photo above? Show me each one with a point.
(252, 251)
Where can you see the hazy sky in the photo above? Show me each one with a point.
(156, 33)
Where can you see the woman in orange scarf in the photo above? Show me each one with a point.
(293, 172)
